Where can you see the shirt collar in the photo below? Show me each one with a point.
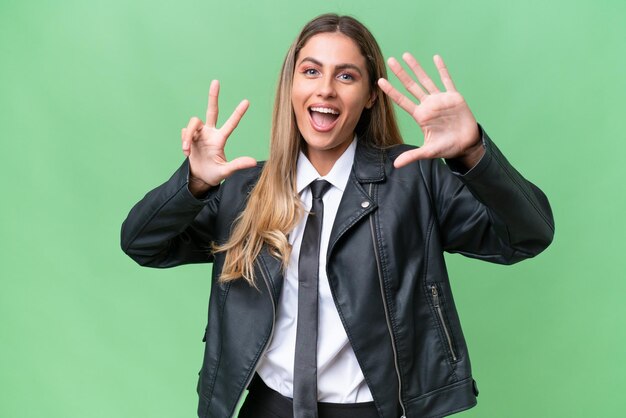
(337, 176)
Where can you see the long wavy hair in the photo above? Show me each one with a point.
(274, 207)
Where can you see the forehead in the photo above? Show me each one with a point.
(332, 49)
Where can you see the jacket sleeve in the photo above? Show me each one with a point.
(170, 226)
(490, 212)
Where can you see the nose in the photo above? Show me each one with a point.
(326, 87)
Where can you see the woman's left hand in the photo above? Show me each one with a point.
(449, 127)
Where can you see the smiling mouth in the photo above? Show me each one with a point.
(323, 118)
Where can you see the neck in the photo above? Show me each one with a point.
(324, 160)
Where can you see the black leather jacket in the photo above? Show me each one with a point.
(385, 267)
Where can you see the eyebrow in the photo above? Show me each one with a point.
(338, 67)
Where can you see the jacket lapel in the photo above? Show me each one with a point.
(272, 269)
(356, 203)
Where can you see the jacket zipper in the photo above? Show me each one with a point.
(267, 344)
(435, 294)
(382, 293)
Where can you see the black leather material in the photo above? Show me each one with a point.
(385, 258)
(305, 362)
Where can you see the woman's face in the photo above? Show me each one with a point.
(329, 92)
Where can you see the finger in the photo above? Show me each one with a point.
(238, 164)
(407, 157)
(189, 134)
(232, 122)
(423, 78)
(194, 125)
(443, 73)
(406, 80)
(212, 108)
(185, 144)
(399, 98)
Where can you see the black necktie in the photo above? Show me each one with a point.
(305, 361)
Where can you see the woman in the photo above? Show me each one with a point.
(388, 342)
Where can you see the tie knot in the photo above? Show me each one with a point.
(319, 188)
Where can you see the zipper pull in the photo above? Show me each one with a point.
(433, 289)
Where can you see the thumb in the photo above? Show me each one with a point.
(407, 157)
(238, 164)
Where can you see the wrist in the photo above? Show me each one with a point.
(473, 153)
(198, 187)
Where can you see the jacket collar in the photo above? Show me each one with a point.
(369, 165)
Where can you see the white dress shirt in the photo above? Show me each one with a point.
(339, 377)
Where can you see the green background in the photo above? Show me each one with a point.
(93, 95)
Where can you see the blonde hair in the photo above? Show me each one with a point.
(262, 223)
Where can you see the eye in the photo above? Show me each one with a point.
(310, 71)
(346, 77)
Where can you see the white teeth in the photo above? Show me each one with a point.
(324, 110)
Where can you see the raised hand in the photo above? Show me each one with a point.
(204, 144)
(449, 127)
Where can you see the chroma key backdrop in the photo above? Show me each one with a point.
(93, 95)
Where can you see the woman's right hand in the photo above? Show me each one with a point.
(203, 144)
